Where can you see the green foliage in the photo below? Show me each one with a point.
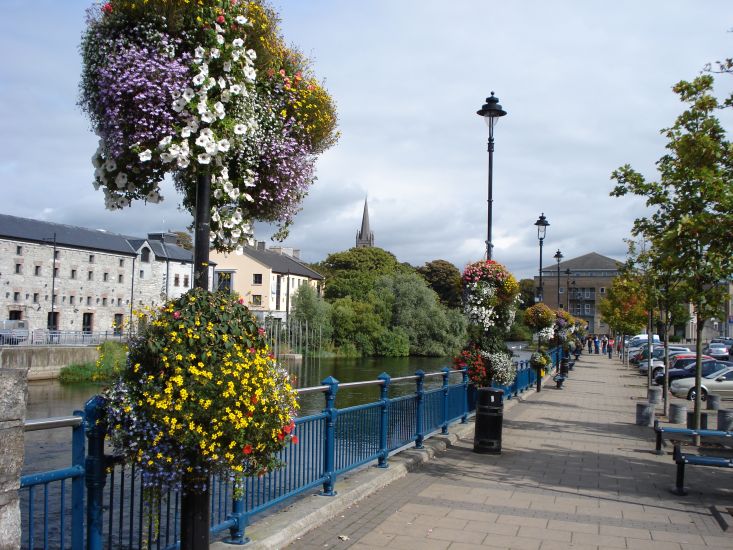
(519, 332)
(308, 307)
(112, 359)
(184, 240)
(354, 272)
(624, 307)
(445, 279)
(526, 293)
(393, 343)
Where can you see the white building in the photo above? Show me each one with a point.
(62, 277)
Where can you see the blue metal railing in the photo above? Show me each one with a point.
(331, 443)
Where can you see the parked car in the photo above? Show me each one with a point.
(723, 340)
(658, 361)
(719, 383)
(13, 332)
(709, 366)
(718, 350)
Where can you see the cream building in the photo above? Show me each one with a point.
(265, 279)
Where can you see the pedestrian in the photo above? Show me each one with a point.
(610, 348)
(604, 343)
(597, 344)
(590, 344)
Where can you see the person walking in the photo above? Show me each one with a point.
(610, 347)
(597, 344)
(604, 343)
(590, 344)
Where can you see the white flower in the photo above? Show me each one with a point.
(217, 194)
(154, 197)
(240, 129)
(96, 160)
(95, 183)
(215, 53)
(146, 155)
(121, 180)
(234, 194)
(179, 104)
(208, 117)
(110, 165)
(194, 125)
(199, 79)
(219, 109)
(188, 94)
(165, 142)
(223, 145)
(235, 89)
(204, 158)
(227, 66)
(199, 52)
(174, 150)
(250, 74)
(217, 28)
(226, 96)
(210, 147)
(225, 173)
(185, 132)
(248, 197)
(252, 54)
(166, 157)
(183, 162)
(236, 54)
(207, 133)
(238, 43)
(241, 19)
(221, 82)
(219, 40)
(175, 94)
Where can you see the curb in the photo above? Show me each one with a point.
(308, 512)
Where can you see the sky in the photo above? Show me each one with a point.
(586, 85)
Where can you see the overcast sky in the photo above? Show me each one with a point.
(587, 87)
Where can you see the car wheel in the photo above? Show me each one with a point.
(656, 372)
(691, 394)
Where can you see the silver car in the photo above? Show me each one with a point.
(718, 383)
(717, 350)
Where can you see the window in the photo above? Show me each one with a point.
(37, 271)
(55, 271)
(90, 275)
(257, 279)
(52, 320)
(16, 296)
(119, 302)
(256, 300)
(89, 300)
(561, 290)
(18, 250)
(72, 299)
(73, 273)
(56, 254)
(91, 258)
(587, 309)
(19, 268)
(105, 277)
(145, 255)
(15, 315)
(142, 274)
(122, 263)
(53, 299)
(587, 294)
(118, 323)
(104, 301)
(185, 281)
(35, 297)
(224, 280)
(120, 278)
(602, 290)
(176, 280)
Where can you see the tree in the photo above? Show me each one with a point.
(445, 279)
(183, 239)
(691, 227)
(526, 293)
(354, 272)
(308, 307)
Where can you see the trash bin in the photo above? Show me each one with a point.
(489, 418)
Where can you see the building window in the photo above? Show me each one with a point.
(104, 301)
(145, 255)
(561, 290)
(257, 279)
(602, 290)
(72, 299)
(53, 299)
(119, 302)
(19, 268)
(185, 281)
(587, 309)
(55, 271)
(224, 281)
(35, 297)
(18, 250)
(120, 278)
(73, 273)
(90, 275)
(56, 254)
(122, 263)
(89, 300)
(256, 300)
(16, 296)
(587, 293)
(118, 324)
(176, 280)
(37, 271)
(15, 315)
(105, 277)
(91, 258)
(142, 273)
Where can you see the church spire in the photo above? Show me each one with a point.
(365, 237)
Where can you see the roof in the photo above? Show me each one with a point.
(168, 251)
(25, 229)
(281, 263)
(588, 262)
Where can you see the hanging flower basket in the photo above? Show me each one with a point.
(485, 367)
(491, 295)
(540, 360)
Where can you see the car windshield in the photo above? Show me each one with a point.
(711, 368)
(717, 345)
(717, 373)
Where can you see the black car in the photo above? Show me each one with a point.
(709, 366)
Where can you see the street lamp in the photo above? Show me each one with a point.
(558, 256)
(541, 224)
(567, 290)
(491, 111)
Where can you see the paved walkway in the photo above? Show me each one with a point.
(575, 473)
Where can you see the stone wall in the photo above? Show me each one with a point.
(45, 362)
(13, 393)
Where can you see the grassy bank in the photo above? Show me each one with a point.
(112, 357)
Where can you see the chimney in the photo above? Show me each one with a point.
(296, 253)
(261, 245)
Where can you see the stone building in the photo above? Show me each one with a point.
(68, 278)
(365, 236)
(266, 279)
(583, 282)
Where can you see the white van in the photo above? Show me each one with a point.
(13, 332)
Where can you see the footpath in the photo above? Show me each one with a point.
(575, 472)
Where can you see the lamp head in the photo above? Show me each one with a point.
(491, 111)
(541, 224)
(558, 255)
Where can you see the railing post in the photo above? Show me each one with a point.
(444, 426)
(236, 532)
(464, 382)
(330, 450)
(95, 476)
(419, 385)
(77, 484)
(384, 420)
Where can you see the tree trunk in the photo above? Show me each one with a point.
(698, 369)
(665, 383)
(650, 346)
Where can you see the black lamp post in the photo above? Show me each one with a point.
(567, 290)
(491, 111)
(558, 256)
(541, 224)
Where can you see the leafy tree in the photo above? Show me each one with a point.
(184, 240)
(526, 293)
(445, 279)
(309, 308)
(354, 272)
(355, 323)
(692, 225)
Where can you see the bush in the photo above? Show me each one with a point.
(393, 343)
(112, 359)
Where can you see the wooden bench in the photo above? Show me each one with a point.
(725, 438)
(699, 460)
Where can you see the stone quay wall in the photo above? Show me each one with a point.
(43, 363)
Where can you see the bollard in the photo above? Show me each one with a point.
(677, 414)
(725, 420)
(644, 414)
(713, 402)
(691, 420)
(654, 395)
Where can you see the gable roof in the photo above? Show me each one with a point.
(25, 229)
(281, 263)
(588, 262)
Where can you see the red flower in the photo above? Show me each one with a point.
(289, 428)
(261, 331)
(247, 449)
(220, 19)
(280, 436)
(294, 440)
(107, 8)
(241, 300)
(176, 314)
(253, 399)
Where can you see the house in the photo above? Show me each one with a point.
(63, 277)
(265, 279)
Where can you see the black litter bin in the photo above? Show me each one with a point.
(489, 418)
